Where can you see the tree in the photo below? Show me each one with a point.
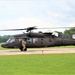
(4, 38)
(69, 33)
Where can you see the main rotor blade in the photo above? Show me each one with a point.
(57, 28)
(29, 28)
(13, 29)
(34, 27)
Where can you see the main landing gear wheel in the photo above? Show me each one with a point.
(21, 48)
(25, 49)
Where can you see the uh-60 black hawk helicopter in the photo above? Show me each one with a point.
(46, 39)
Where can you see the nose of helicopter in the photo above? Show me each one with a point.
(3, 45)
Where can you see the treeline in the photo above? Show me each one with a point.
(4, 38)
(67, 34)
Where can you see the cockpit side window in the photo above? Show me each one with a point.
(10, 40)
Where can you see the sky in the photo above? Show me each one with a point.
(40, 13)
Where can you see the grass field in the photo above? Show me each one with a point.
(49, 64)
(53, 64)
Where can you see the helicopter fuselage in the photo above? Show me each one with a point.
(37, 40)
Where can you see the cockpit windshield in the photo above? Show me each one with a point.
(10, 40)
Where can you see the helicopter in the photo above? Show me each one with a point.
(35, 40)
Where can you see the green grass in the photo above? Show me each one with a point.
(53, 64)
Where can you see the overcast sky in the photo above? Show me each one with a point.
(40, 13)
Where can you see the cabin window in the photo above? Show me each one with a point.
(34, 40)
(41, 42)
(29, 40)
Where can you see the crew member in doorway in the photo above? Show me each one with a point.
(24, 45)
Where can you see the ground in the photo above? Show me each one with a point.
(40, 51)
